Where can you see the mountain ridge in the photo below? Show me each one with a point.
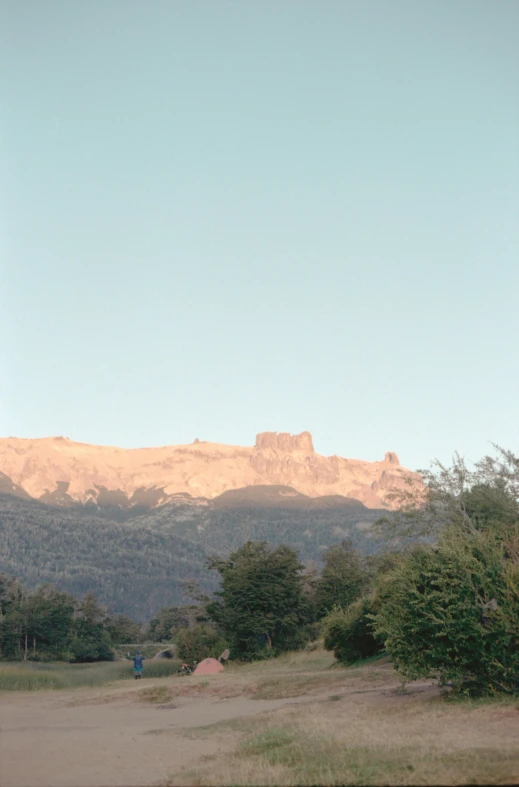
(59, 471)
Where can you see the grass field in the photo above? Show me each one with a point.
(29, 676)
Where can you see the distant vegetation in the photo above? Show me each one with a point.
(133, 570)
(138, 566)
(51, 625)
(441, 596)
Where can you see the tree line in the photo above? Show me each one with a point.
(51, 625)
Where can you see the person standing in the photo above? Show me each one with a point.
(137, 665)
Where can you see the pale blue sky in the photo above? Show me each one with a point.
(220, 218)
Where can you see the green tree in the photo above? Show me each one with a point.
(456, 497)
(11, 592)
(491, 506)
(342, 579)
(170, 619)
(12, 617)
(123, 629)
(49, 619)
(91, 641)
(199, 642)
(450, 612)
(36, 625)
(261, 606)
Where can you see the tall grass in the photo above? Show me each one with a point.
(34, 676)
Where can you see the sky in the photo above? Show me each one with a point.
(221, 217)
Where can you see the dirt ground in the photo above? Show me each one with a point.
(110, 737)
(54, 741)
(127, 736)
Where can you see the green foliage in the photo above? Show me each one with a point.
(34, 626)
(342, 578)
(135, 568)
(49, 620)
(349, 632)
(485, 498)
(261, 607)
(431, 614)
(171, 619)
(123, 629)
(491, 506)
(51, 625)
(84, 649)
(91, 640)
(140, 566)
(198, 643)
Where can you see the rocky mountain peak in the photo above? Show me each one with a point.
(62, 472)
(283, 441)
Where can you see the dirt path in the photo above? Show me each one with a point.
(46, 741)
(109, 737)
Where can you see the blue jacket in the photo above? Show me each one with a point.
(137, 662)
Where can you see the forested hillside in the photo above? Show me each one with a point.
(131, 571)
(138, 566)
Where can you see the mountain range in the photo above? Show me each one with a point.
(60, 472)
(133, 525)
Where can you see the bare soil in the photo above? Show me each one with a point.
(168, 731)
(125, 734)
(59, 741)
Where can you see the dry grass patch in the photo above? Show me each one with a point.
(292, 675)
(399, 740)
(155, 694)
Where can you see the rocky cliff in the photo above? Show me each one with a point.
(58, 471)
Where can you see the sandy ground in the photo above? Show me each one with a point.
(110, 737)
(54, 740)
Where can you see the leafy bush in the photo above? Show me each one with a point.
(88, 649)
(349, 632)
(432, 616)
(198, 643)
(169, 620)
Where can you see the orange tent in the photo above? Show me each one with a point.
(208, 667)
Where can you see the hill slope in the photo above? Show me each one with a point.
(138, 566)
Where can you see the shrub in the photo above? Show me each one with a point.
(349, 632)
(89, 649)
(432, 617)
(198, 643)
